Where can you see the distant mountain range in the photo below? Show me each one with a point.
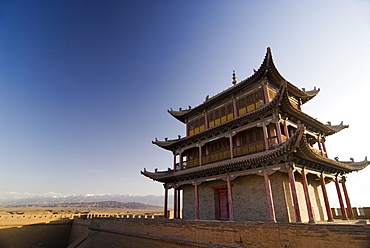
(54, 199)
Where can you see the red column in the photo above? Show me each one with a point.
(344, 212)
(294, 195)
(286, 129)
(307, 197)
(196, 203)
(326, 199)
(206, 121)
(187, 128)
(231, 146)
(235, 108)
(278, 132)
(181, 161)
(266, 95)
(200, 154)
(265, 135)
(349, 207)
(165, 202)
(320, 148)
(174, 202)
(230, 199)
(174, 162)
(270, 199)
(178, 203)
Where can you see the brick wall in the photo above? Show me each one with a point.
(249, 198)
(177, 233)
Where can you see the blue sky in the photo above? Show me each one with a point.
(85, 85)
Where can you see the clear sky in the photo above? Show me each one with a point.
(85, 85)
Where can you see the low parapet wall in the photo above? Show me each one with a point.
(358, 213)
(177, 233)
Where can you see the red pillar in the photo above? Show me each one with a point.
(187, 128)
(235, 108)
(174, 162)
(286, 129)
(270, 200)
(206, 120)
(178, 203)
(307, 197)
(278, 132)
(326, 199)
(181, 161)
(200, 155)
(196, 203)
(294, 195)
(231, 146)
(165, 202)
(266, 95)
(265, 135)
(174, 202)
(230, 199)
(320, 148)
(349, 207)
(344, 212)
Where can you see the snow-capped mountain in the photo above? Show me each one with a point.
(51, 198)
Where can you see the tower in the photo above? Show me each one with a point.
(251, 153)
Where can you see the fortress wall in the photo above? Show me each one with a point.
(29, 218)
(52, 233)
(79, 232)
(180, 233)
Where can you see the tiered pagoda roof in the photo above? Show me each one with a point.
(296, 149)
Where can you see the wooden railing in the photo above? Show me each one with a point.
(249, 148)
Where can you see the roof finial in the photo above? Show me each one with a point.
(235, 79)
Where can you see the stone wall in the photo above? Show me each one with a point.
(52, 233)
(179, 233)
(250, 202)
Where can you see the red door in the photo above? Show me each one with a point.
(223, 206)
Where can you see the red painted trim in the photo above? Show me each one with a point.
(307, 197)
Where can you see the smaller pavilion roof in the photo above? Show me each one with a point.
(267, 69)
